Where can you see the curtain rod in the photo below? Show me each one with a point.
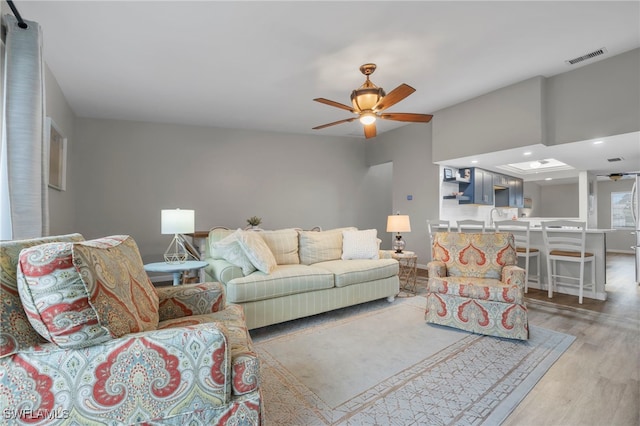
(21, 22)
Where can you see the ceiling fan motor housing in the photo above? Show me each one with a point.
(365, 99)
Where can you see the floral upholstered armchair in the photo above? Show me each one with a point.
(85, 338)
(475, 285)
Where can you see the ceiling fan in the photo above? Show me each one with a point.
(370, 100)
(618, 176)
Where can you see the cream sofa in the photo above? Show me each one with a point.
(312, 273)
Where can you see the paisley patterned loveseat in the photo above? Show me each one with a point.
(475, 285)
(85, 338)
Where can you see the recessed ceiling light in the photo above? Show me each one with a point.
(548, 178)
(527, 153)
(474, 161)
(598, 142)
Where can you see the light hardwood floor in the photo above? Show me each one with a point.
(596, 381)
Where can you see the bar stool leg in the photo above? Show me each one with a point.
(551, 270)
(526, 274)
(581, 289)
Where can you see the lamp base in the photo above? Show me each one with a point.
(176, 253)
(398, 244)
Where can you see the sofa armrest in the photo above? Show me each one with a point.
(156, 372)
(222, 271)
(190, 299)
(513, 275)
(437, 268)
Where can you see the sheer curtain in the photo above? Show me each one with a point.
(24, 167)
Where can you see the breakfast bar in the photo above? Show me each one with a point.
(596, 243)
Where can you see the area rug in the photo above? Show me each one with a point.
(381, 364)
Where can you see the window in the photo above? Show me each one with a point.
(621, 216)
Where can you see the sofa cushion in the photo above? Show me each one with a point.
(82, 294)
(257, 251)
(282, 281)
(16, 332)
(283, 244)
(356, 271)
(321, 246)
(477, 288)
(360, 244)
(229, 249)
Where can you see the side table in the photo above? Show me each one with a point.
(175, 268)
(408, 269)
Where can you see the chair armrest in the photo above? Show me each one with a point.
(437, 268)
(155, 372)
(190, 299)
(222, 271)
(513, 275)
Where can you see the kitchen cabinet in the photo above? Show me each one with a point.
(510, 192)
(479, 190)
(516, 193)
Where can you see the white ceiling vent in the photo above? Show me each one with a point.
(587, 56)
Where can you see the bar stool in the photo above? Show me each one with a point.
(434, 226)
(521, 235)
(565, 241)
(470, 224)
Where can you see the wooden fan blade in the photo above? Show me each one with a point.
(393, 97)
(347, 120)
(370, 130)
(407, 116)
(334, 104)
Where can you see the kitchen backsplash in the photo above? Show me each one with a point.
(452, 211)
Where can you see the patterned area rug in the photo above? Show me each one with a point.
(379, 363)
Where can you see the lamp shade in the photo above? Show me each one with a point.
(398, 223)
(177, 221)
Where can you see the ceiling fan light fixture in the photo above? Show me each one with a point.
(367, 118)
(366, 98)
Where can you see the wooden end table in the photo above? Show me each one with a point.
(408, 269)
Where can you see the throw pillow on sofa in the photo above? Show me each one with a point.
(230, 250)
(257, 251)
(321, 246)
(283, 243)
(360, 244)
(81, 294)
(215, 235)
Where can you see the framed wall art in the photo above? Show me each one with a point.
(57, 144)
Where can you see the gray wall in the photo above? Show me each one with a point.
(597, 100)
(62, 203)
(505, 118)
(126, 172)
(409, 148)
(377, 195)
(559, 200)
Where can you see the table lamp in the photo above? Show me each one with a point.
(398, 223)
(177, 222)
